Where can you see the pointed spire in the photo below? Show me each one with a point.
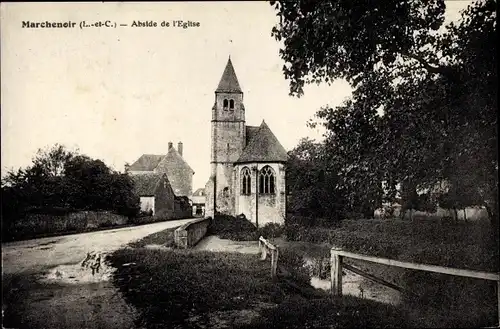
(229, 82)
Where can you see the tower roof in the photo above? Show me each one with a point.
(228, 82)
(263, 147)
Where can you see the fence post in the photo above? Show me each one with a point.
(263, 250)
(336, 272)
(498, 301)
(274, 262)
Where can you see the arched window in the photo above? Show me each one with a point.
(266, 180)
(224, 104)
(246, 181)
(231, 104)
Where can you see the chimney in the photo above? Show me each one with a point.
(169, 145)
(179, 148)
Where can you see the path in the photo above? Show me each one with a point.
(44, 285)
(216, 244)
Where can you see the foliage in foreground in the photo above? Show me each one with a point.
(338, 312)
(170, 288)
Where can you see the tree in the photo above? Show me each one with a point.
(65, 180)
(311, 182)
(435, 87)
(346, 39)
(52, 161)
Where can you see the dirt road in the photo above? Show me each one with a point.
(33, 255)
(45, 286)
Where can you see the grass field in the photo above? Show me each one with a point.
(197, 289)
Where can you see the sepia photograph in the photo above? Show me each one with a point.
(249, 164)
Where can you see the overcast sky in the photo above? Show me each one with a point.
(117, 93)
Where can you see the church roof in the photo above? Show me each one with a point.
(147, 162)
(145, 184)
(229, 82)
(263, 147)
(251, 131)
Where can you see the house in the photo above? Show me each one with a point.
(198, 200)
(157, 197)
(247, 162)
(178, 171)
(156, 194)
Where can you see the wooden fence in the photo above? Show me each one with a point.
(266, 247)
(337, 256)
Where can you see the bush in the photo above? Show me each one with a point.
(294, 266)
(233, 228)
(271, 230)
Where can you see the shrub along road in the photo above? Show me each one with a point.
(72, 298)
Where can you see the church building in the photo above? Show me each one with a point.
(247, 162)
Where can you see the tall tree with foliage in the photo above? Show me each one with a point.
(64, 180)
(312, 182)
(435, 86)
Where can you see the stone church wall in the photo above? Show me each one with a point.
(271, 208)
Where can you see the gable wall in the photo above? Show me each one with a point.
(179, 175)
(164, 200)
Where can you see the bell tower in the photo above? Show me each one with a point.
(227, 142)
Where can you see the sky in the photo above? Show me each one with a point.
(117, 93)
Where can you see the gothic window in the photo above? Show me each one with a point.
(266, 180)
(224, 104)
(246, 181)
(225, 192)
(231, 104)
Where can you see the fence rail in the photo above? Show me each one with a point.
(336, 261)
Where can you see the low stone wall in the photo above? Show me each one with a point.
(189, 234)
(34, 225)
(471, 213)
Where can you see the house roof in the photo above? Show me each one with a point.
(147, 162)
(174, 157)
(199, 192)
(263, 147)
(145, 184)
(229, 82)
(251, 131)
